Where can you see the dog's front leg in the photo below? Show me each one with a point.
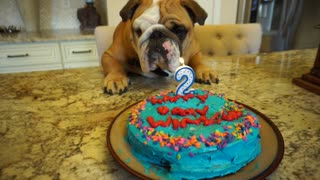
(204, 74)
(116, 79)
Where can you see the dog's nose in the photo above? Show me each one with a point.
(157, 49)
(156, 35)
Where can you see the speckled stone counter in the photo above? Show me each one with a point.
(53, 124)
(46, 36)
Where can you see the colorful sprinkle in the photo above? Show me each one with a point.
(194, 116)
(178, 156)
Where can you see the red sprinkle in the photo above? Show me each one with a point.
(203, 98)
(204, 111)
(183, 112)
(175, 123)
(188, 96)
(168, 122)
(153, 100)
(166, 98)
(150, 120)
(154, 124)
(163, 110)
(231, 115)
(183, 123)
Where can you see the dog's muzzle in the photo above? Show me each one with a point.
(159, 49)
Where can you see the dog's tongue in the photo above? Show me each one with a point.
(160, 72)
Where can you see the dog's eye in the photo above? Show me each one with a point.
(138, 32)
(180, 31)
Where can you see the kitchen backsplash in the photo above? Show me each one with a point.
(9, 14)
(54, 14)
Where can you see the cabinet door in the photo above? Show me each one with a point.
(29, 57)
(79, 54)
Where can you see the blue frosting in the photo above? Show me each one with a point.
(193, 162)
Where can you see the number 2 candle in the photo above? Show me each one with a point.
(186, 76)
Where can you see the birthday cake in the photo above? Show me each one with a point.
(193, 136)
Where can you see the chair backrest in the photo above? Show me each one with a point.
(104, 37)
(214, 40)
(230, 39)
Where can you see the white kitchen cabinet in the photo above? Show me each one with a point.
(79, 54)
(42, 56)
(29, 57)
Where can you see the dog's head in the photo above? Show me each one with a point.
(162, 30)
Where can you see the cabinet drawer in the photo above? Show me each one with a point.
(29, 57)
(28, 54)
(79, 54)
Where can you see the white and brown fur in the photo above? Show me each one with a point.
(150, 39)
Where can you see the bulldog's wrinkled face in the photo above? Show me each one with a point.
(157, 46)
(161, 30)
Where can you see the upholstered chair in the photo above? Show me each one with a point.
(230, 39)
(103, 36)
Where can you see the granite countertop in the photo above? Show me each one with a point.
(53, 124)
(46, 36)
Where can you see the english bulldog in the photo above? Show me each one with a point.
(150, 39)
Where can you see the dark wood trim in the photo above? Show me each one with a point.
(311, 81)
(316, 67)
(307, 85)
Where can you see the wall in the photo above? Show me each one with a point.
(307, 36)
(208, 6)
(219, 11)
(113, 9)
(54, 14)
(9, 14)
(224, 11)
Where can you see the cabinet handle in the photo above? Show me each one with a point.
(18, 55)
(81, 52)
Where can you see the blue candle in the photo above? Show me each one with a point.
(186, 76)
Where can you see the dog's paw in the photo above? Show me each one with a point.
(206, 75)
(116, 83)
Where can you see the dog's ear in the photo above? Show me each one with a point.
(128, 10)
(195, 11)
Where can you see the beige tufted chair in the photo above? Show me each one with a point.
(104, 37)
(230, 39)
(215, 40)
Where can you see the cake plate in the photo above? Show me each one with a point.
(272, 146)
